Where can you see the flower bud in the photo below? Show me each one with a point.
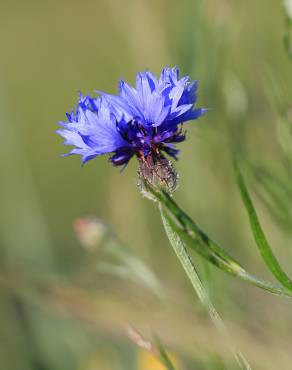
(90, 231)
(158, 172)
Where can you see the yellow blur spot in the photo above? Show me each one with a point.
(146, 361)
(98, 361)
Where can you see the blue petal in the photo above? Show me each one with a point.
(94, 133)
(133, 121)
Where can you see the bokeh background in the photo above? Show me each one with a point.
(67, 287)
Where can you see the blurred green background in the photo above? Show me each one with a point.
(64, 307)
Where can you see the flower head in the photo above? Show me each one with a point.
(144, 121)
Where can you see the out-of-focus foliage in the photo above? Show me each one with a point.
(64, 305)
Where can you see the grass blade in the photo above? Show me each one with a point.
(258, 234)
(287, 38)
(164, 358)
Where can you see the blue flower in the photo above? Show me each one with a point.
(143, 121)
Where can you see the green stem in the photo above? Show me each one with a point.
(189, 267)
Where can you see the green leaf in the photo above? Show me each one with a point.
(196, 239)
(259, 236)
(287, 37)
(164, 358)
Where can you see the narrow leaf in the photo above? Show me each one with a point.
(228, 265)
(258, 234)
(196, 239)
(163, 355)
(190, 269)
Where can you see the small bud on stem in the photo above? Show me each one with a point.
(158, 172)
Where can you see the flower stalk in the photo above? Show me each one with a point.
(191, 272)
